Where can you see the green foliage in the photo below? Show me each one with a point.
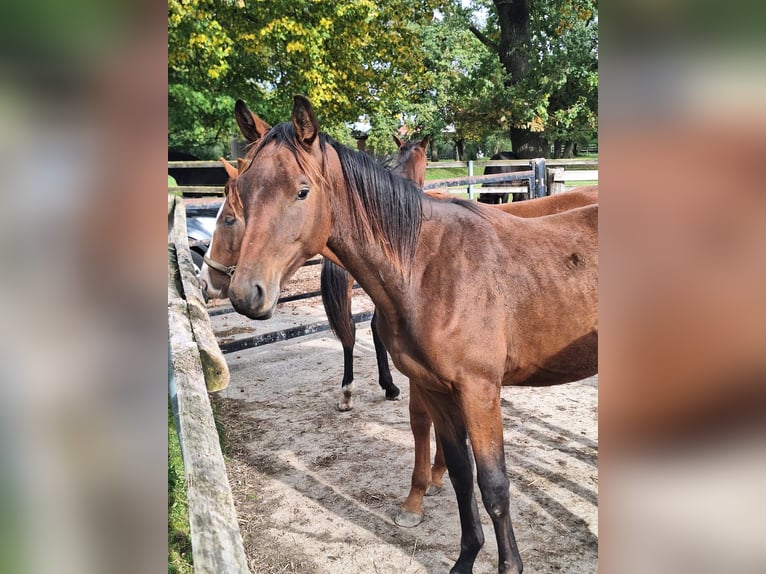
(350, 57)
(558, 94)
(415, 63)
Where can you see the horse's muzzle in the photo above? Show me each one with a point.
(256, 301)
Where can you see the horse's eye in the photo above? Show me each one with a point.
(228, 220)
(303, 193)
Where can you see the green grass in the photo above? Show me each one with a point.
(445, 172)
(179, 535)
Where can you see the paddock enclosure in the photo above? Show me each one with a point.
(315, 490)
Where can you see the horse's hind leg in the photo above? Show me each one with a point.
(485, 429)
(384, 372)
(346, 401)
(336, 288)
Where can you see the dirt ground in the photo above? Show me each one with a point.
(316, 490)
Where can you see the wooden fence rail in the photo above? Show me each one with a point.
(197, 366)
(572, 170)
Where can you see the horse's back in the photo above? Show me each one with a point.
(552, 204)
(582, 219)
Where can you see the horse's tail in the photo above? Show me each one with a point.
(336, 298)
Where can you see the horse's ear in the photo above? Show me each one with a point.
(232, 194)
(230, 169)
(251, 126)
(304, 121)
(399, 142)
(424, 142)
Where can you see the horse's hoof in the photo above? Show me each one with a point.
(393, 394)
(345, 405)
(433, 490)
(407, 519)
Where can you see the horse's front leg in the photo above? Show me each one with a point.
(411, 512)
(437, 470)
(485, 429)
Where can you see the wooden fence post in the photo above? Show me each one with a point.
(214, 365)
(555, 173)
(217, 544)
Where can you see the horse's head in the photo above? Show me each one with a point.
(286, 211)
(411, 160)
(223, 251)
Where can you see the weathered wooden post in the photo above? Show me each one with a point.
(556, 180)
(217, 544)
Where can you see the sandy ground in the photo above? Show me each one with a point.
(316, 490)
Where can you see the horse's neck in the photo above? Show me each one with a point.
(373, 270)
(366, 259)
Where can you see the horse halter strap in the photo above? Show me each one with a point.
(228, 270)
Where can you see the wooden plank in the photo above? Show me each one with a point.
(197, 163)
(477, 179)
(446, 164)
(213, 363)
(592, 163)
(576, 175)
(285, 334)
(493, 162)
(198, 189)
(216, 539)
(508, 189)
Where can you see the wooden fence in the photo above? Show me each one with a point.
(197, 366)
(562, 173)
(558, 172)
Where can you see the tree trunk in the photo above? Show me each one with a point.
(513, 51)
(569, 149)
(558, 146)
(434, 152)
(515, 39)
(460, 149)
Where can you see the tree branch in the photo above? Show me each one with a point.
(483, 39)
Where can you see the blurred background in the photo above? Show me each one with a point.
(83, 347)
(682, 332)
(83, 143)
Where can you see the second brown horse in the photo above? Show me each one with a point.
(531, 300)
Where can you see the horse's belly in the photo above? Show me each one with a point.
(576, 361)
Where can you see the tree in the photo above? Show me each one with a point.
(549, 52)
(350, 57)
(200, 111)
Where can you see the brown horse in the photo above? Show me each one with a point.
(336, 284)
(531, 299)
